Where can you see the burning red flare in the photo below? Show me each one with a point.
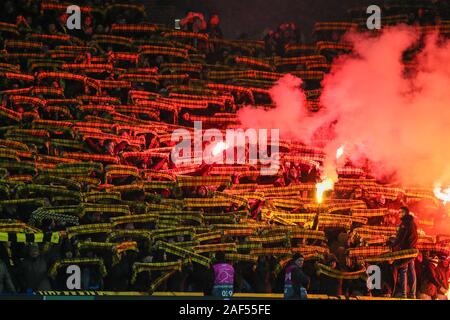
(443, 195)
(321, 187)
(219, 147)
(339, 152)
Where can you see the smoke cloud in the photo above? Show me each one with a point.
(290, 110)
(397, 118)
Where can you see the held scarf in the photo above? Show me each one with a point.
(77, 261)
(337, 274)
(139, 267)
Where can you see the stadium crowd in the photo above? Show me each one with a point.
(86, 118)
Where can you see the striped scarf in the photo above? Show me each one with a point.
(337, 274)
(139, 267)
(396, 255)
(77, 261)
(183, 253)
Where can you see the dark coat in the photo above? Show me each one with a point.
(118, 276)
(407, 234)
(6, 283)
(430, 283)
(330, 286)
(298, 277)
(33, 273)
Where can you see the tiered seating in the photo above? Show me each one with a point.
(85, 143)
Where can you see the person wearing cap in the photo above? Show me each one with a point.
(295, 280)
(406, 238)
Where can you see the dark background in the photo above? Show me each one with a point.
(256, 16)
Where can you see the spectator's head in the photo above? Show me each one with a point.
(293, 173)
(197, 23)
(51, 28)
(48, 224)
(88, 21)
(298, 259)
(160, 59)
(148, 259)
(434, 261)
(443, 260)
(359, 193)
(348, 261)
(35, 9)
(220, 257)
(343, 238)
(9, 7)
(214, 20)
(331, 261)
(261, 260)
(421, 12)
(401, 197)
(34, 251)
(335, 36)
(185, 116)
(63, 19)
(96, 217)
(202, 191)
(404, 211)
(420, 257)
(100, 29)
(110, 146)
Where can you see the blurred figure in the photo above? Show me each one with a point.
(6, 283)
(295, 280)
(443, 272)
(214, 30)
(406, 239)
(223, 277)
(430, 286)
(33, 271)
(193, 22)
(329, 285)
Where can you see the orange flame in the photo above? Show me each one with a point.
(321, 187)
(219, 147)
(339, 152)
(443, 195)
